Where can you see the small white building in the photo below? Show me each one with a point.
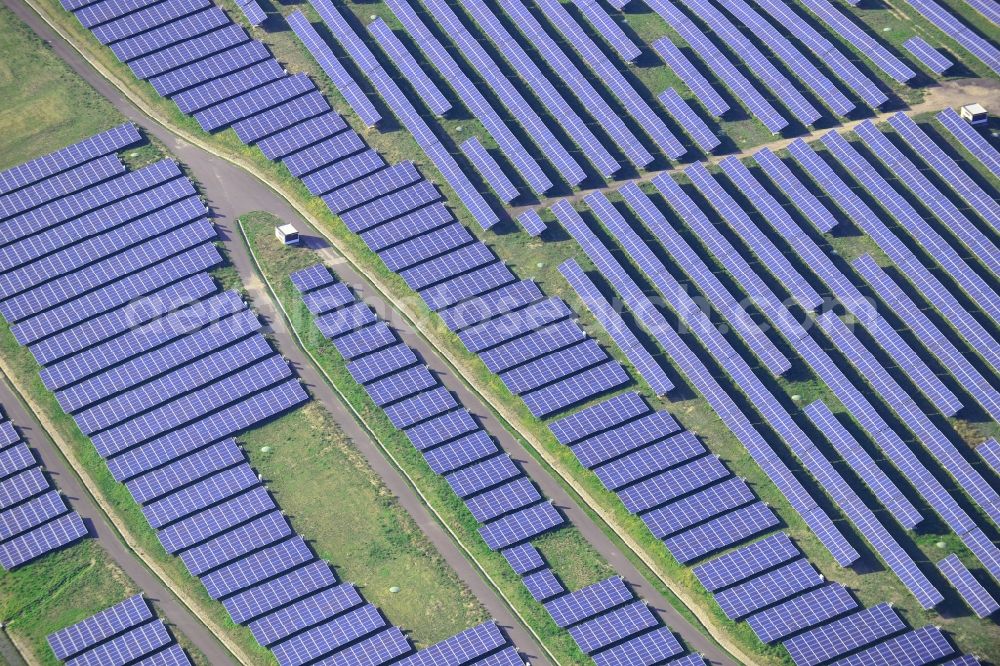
(287, 234)
(974, 114)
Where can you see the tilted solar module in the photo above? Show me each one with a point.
(380, 648)
(497, 302)
(517, 527)
(692, 77)
(489, 170)
(851, 632)
(370, 187)
(602, 416)
(513, 324)
(686, 117)
(973, 593)
(146, 19)
(931, 58)
(400, 385)
(649, 460)
(767, 589)
(420, 407)
(576, 388)
(543, 585)
(303, 613)
(128, 647)
(531, 222)
(287, 587)
(62, 184)
(157, 483)
(701, 505)
(946, 168)
(408, 65)
(99, 627)
(802, 612)
(216, 519)
(574, 79)
(214, 66)
(440, 429)
(523, 558)
(190, 50)
(608, 29)
(807, 202)
(477, 478)
(726, 530)
(252, 129)
(302, 136)
(589, 601)
(613, 627)
(176, 32)
(252, 11)
(461, 648)
(259, 566)
(989, 451)
(616, 327)
(45, 538)
(554, 366)
(721, 66)
(343, 171)
(671, 484)
(408, 226)
(331, 66)
(921, 646)
(256, 534)
(647, 649)
(619, 440)
(872, 49)
(504, 499)
(329, 636)
(951, 25)
(460, 452)
(201, 494)
(609, 74)
(470, 196)
(381, 363)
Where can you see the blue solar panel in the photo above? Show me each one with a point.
(973, 593)
(409, 226)
(543, 585)
(364, 341)
(616, 327)
(288, 142)
(726, 530)
(493, 303)
(652, 647)
(287, 587)
(252, 11)
(47, 537)
(835, 638)
(914, 648)
(503, 499)
(612, 33)
(400, 385)
(214, 520)
(380, 363)
(589, 601)
(601, 416)
(303, 613)
(214, 66)
(460, 648)
(989, 451)
(514, 324)
(951, 25)
(458, 289)
(802, 612)
(576, 388)
(145, 19)
(372, 186)
(523, 559)
(622, 439)
(649, 460)
(99, 627)
(609, 74)
(767, 589)
(420, 407)
(701, 505)
(187, 51)
(612, 627)
(256, 534)
(461, 452)
(928, 55)
(747, 561)
(175, 32)
(157, 483)
(257, 567)
(440, 429)
(127, 647)
(575, 80)
(521, 526)
(60, 185)
(329, 636)
(407, 64)
(686, 117)
(691, 76)
(486, 474)
(204, 493)
(489, 170)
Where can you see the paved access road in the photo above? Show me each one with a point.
(80, 501)
(231, 192)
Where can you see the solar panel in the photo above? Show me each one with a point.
(706, 49)
(60, 185)
(506, 657)
(252, 11)
(329, 150)
(48, 537)
(21, 486)
(99, 627)
(554, 366)
(691, 76)
(187, 51)
(15, 459)
(493, 303)
(647, 649)
(372, 186)
(748, 561)
(420, 407)
(303, 613)
(426, 246)
(460, 452)
(702, 505)
(616, 327)
(458, 261)
(514, 324)
(157, 483)
(671, 484)
(218, 425)
(526, 165)
(543, 585)
(799, 194)
(726, 530)
(575, 80)
(622, 439)
(980, 47)
(380, 363)
(259, 125)
(331, 66)
(686, 117)
(290, 141)
(103, 143)
(973, 593)
(174, 32)
(365, 340)
(146, 19)
(649, 460)
(612, 627)
(589, 601)
(407, 64)
(214, 66)
(126, 648)
(458, 289)
(329, 636)
(476, 478)
(503, 499)
(460, 648)
(807, 610)
(921, 646)
(523, 558)
(931, 197)
(150, 328)
(767, 589)
(329, 298)
(205, 492)
(602, 416)
(469, 195)
(576, 388)
(259, 532)
(400, 385)
(351, 318)
(398, 206)
(989, 451)
(608, 29)
(440, 429)
(408, 226)
(520, 526)
(214, 520)
(609, 74)
(851, 632)
(860, 39)
(173, 655)
(863, 464)
(930, 57)
(261, 599)
(381, 648)
(259, 566)
(946, 167)
(489, 169)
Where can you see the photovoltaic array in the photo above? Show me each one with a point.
(122, 634)
(34, 518)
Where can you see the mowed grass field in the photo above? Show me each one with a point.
(44, 106)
